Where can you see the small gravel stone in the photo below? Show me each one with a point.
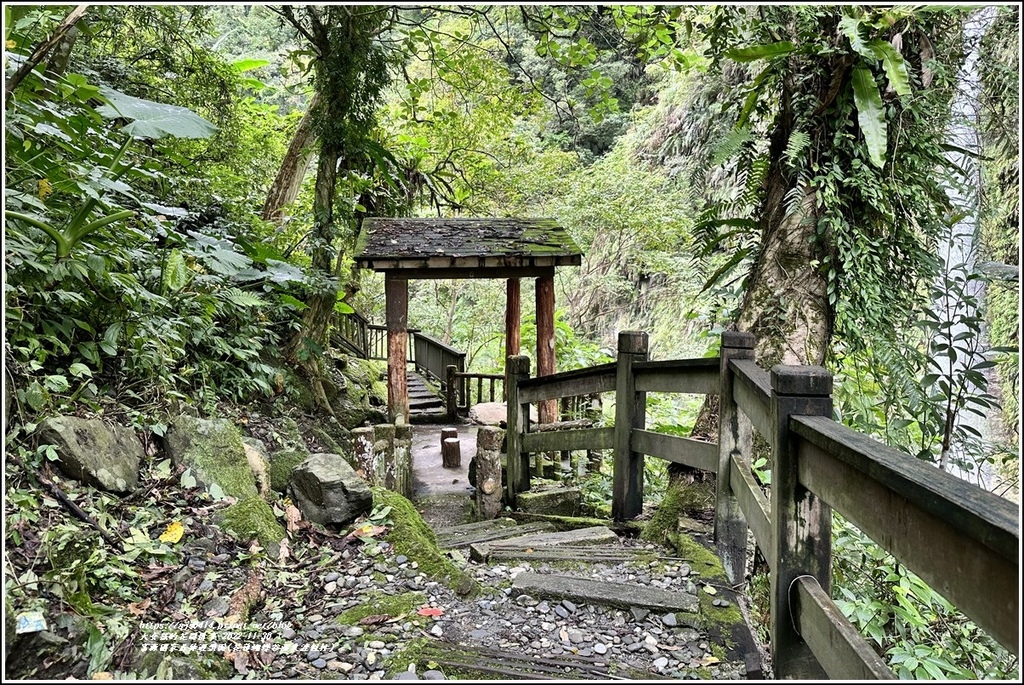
(600, 648)
(639, 614)
(320, 664)
(526, 601)
(669, 620)
(433, 675)
(561, 611)
(376, 644)
(575, 636)
(196, 564)
(661, 662)
(437, 631)
(331, 577)
(354, 631)
(570, 607)
(401, 559)
(406, 675)
(205, 586)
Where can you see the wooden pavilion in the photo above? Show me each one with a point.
(512, 249)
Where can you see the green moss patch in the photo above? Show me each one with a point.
(253, 518)
(281, 466)
(214, 451)
(412, 537)
(381, 604)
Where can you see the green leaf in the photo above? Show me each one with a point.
(870, 114)
(244, 299)
(243, 65)
(343, 307)
(851, 29)
(294, 302)
(79, 369)
(756, 52)
(154, 119)
(35, 396)
(895, 66)
(176, 273)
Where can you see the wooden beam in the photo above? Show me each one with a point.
(695, 376)
(835, 642)
(517, 422)
(513, 320)
(735, 439)
(801, 523)
(630, 409)
(580, 439)
(545, 295)
(425, 272)
(396, 296)
(676, 449)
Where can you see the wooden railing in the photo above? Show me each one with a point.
(962, 540)
(460, 386)
(432, 358)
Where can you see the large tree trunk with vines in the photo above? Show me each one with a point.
(286, 185)
(785, 304)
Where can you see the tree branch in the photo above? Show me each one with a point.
(41, 51)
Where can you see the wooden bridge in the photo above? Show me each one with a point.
(963, 541)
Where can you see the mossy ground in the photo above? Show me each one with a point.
(412, 537)
(381, 604)
(253, 518)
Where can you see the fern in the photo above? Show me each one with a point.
(798, 142)
(240, 298)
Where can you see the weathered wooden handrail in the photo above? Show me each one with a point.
(961, 540)
(695, 376)
(458, 388)
(432, 357)
(376, 342)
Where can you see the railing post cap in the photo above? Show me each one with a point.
(632, 342)
(518, 364)
(814, 381)
(738, 339)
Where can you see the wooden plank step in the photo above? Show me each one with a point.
(597, 554)
(464, 528)
(494, 534)
(595, 535)
(622, 595)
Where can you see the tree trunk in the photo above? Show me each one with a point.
(288, 181)
(42, 50)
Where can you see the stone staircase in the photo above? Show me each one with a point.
(425, 404)
(587, 604)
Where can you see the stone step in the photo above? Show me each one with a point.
(597, 554)
(621, 595)
(475, 526)
(595, 535)
(491, 535)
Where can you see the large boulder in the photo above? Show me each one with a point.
(89, 450)
(213, 450)
(327, 490)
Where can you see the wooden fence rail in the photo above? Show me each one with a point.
(963, 541)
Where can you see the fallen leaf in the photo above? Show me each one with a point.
(430, 611)
(139, 608)
(173, 533)
(102, 675)
(240, 660)
(710, 590)
(156, 571)
(373, 619)
(708, 660)
(282, 555)
(292, 517)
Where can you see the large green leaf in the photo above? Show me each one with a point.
(895, 66)
(154, 119)
(851, 29)
(870, 114)
(243, 65)
(756, 52)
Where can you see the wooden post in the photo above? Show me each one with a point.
(630, 410)
(488, 472)
(384, 455)
(517, 466)
(735, 437)
(451, 453)
(396, 295)
(801, 523)
(451, 397)
(513, 309)
(548, 410)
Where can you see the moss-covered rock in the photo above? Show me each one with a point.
(253, 518)
(213, 450)
(412, 537)
(88, 450)
(382, 604)
(358, 394)
(281, 466)
(182, 667)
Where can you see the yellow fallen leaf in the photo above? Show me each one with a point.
(710, 589)
(709, 660)
(102, 675)
(173, 533)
